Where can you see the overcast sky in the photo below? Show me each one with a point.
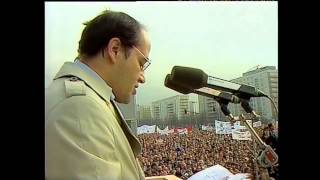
(224, 39)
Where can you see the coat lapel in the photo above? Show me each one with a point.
(134, 142)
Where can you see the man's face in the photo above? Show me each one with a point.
(130, 70)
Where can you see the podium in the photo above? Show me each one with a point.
(167, 177)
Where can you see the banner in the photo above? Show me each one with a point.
(165, 131)
(146, 129)
(257, 124)
(206, 128)
(223, 127)
(241, 135)
(160, 130)
(237, 124)
(242, 128)
(181, 130)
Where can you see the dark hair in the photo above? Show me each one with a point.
(107, 25)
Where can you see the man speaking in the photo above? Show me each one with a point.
(86, 136)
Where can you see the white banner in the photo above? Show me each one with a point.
(241, 135)
(146, 129)
(183, 131)
(257, 124)
(223, 127)
(165, 131)
(203, 127)
(160, 130)
(206, 128)
(242, 128)
(237, 124)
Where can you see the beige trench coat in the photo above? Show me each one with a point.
(84, 138)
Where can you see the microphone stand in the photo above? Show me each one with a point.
(266, 157)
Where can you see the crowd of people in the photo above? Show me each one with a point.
(186, 154)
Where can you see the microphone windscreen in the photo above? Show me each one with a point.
(169, 83)
(191, 77)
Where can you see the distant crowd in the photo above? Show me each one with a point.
(186, 154)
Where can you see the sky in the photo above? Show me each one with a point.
(224, 39)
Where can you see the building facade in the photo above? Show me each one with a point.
(170, 110)
(129, 113)
(144, 115)
(209, 110)
(266, 80)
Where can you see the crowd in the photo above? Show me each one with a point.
(186, 154)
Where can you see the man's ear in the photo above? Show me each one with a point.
(113, 49)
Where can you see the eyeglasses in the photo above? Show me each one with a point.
(148, 61)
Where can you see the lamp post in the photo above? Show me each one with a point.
(193, 113)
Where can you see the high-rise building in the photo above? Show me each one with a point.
(129, 113)
(209, 110)
(192, 107)
(144, 114)
(170, 109)
(266, 80)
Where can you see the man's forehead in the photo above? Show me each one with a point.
(145, 43)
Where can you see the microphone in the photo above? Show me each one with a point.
(204, 91)
(176, 87)
(196, 78)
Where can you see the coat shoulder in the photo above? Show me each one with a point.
(71, 89)
(74, 87)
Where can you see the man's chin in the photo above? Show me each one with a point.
(125, 100)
